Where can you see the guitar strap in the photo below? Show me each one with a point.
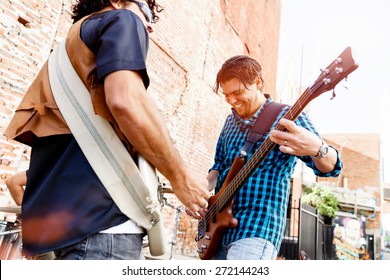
(262, 125)
(103, 149)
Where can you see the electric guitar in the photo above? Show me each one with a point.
(220, 216)
(156, 234)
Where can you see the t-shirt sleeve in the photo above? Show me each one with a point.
(120, 42)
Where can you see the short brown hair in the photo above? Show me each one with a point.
(242, 67)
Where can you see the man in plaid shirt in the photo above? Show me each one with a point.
(261, 203)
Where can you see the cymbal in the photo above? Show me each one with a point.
(11, 209)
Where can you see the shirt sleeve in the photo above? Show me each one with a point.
(305, 122)
(218, 158)
(219, 150)
(120, 41)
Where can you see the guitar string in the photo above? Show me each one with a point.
(221, 202)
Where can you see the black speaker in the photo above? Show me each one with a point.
(371, 246)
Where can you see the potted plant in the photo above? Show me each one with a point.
(323, 200)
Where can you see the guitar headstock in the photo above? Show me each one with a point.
(339, 69)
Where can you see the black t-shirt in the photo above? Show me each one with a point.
(119, 40)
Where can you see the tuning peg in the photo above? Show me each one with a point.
(325, 71)
(338, 60)
(339, 70)
(333, 95)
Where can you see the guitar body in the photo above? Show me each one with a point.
(211, 238)
(216, 222)
(156, 234)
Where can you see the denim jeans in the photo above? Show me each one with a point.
(104, 246)
(252, 248)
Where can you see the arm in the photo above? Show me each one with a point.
(301, 142)
(142, 124)
(15, 185)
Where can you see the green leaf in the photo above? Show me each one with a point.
(322, 199)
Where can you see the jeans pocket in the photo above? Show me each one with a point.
(73, 252)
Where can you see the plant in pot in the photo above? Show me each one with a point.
(323, 200)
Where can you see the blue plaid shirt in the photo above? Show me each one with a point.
(261, 203)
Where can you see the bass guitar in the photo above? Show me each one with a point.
(220, 216)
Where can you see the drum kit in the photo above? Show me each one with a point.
(10, 235)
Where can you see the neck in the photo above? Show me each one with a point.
(260, 100)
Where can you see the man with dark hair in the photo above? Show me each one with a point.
(66, 208)
(260, 206)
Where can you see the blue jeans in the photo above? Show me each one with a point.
(252, 248)
(104, 246)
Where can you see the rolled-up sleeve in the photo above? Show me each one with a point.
(305, 122)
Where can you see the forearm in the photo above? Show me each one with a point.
(143, 125)
(15, 185)
(17, 195)
(148, 134)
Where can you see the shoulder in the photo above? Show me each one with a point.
(230, 120)
(111, 21)
(123, 17)
(120, 15)
(230, 125)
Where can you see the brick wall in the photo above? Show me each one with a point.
(361, 158)
(190, 42)
(28, 31)
(361, 171)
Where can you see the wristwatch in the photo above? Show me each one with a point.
(323, 151)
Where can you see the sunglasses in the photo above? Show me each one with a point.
(145, 10)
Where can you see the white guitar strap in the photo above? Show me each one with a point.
(102, 147)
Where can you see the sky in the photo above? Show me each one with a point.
(313, 33)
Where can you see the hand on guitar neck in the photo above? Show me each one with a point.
(298, 141)
(192, 194)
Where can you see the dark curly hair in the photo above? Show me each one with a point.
(83, 8)
(242, 67)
